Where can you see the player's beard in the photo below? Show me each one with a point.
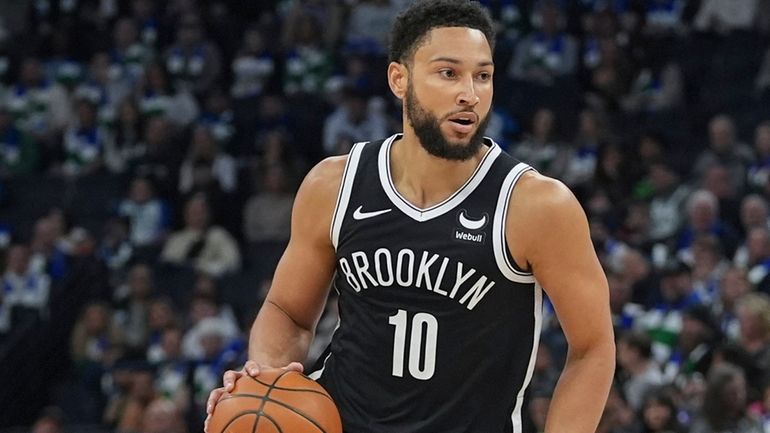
(427, 127)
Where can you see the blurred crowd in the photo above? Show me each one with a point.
(150, 151)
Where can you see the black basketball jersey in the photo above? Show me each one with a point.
(438, 327)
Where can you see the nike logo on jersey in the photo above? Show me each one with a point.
(359, 214)
(472, 224)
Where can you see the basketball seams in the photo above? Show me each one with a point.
(238, 415)
(270, 418)
(261, 411)
(280, 388)
(303, 415)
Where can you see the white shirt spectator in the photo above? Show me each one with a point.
(356, 120)
(723, 16)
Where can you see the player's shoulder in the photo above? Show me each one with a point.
(542, 195)
(328, 171)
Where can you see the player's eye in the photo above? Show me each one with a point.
(485, 76)
(447, 73)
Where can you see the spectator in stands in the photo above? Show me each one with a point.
(639, 371)
(115, 249)
(95, 344)
(205, 159)
(103, 89)
(753, 311)
(84, 143)
(50, 421)
(664, 320)
(703, 219)
(547, 53)
(754, 212)
(722, 17)
(193, 62)
(725, 149)
(618, 415)
(159, 97)
(635, 225)
(145, 14)
(267, 214)
(308, 63)
(609, 76)
(173, 371)
(205, 247)
(126, 413)
(663, 18)
(254, 65)
(724, 405)
(24, 286)
(368, 26)
(758, 258)
(716, 179)
(540, 146)
(218, 117)
(219, 350)
(48, 254)
(657, 87)
(126, 146)
(276, 149)
(133, 299)
(128, 55)
(693, 353)
(638, 272)
(146, 214)
(162, 314)
(162, 416)
(760, 410)
(759, 169)
(708, 265)
(356, 119)
(19, 153)
(648, 148)
(330, 14)
(162, 158)
(732, 287)
(762, 80)
(578, 162)
(37, 105)
(659, 412)
(95, 338)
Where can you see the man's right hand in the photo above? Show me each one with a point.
(252, 369)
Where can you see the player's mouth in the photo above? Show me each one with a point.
(463, 122)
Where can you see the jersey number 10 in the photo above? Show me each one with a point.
(422, 344)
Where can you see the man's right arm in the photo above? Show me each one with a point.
(285, 325)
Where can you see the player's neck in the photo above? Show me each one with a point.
(424, 179)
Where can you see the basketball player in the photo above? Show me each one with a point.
(438, 244)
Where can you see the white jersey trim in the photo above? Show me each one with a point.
(538, 314)
(419, 214)
(499, 244)
(346, 187)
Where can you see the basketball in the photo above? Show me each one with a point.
(276, 401)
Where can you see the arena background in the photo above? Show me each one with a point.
(127, 126)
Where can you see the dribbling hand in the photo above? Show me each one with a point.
(252, 369)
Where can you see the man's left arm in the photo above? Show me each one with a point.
(548, 233)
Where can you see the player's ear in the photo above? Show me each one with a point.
(398, 78)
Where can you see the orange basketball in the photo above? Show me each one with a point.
(276, 401)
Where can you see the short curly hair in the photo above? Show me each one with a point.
(413, 24)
